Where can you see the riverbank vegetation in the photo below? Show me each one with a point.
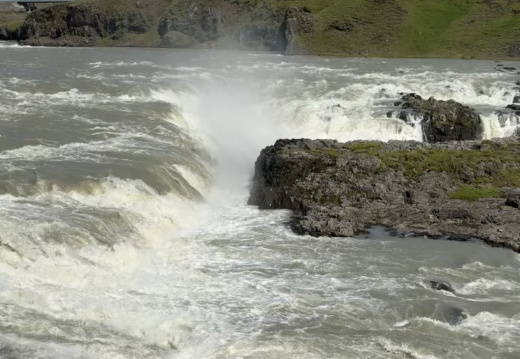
(390, 28)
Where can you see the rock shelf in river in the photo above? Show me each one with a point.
(454, 190)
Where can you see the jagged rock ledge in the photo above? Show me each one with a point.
(453, 190)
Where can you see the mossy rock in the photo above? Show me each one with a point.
(473, 193)
(442, 121)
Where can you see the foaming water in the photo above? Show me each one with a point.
(125, 233)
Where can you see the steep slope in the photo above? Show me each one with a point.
(95, 22)
(12, 17)
(393, 28)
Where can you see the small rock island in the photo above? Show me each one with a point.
(456, 190)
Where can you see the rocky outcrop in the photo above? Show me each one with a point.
(76, 25)
(441, 286)
(453, 190)
(90, 23)
(299, 21)
(363, 28)
(441, 120)
(514, 50)
(226, 24)
(8, 33)
(510, 115)
(12, 16)
(179, 24)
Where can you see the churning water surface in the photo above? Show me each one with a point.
(124, 231)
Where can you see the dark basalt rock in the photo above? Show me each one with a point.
(186, 23)
(454, 315)
(338, 189)
(8, 353)
(442, 120)
(513, 201)
(513, 107)
(69, 25)
(441, 286)
(516, 99)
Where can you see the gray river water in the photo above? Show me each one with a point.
(124, 229)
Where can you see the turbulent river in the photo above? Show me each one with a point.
(124, 229)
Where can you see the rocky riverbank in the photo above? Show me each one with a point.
(454, 190)
(396, 28)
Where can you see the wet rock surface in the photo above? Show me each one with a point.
(452, 190)
(71, 25)
(441, 120)
(441, 286)
(299, 21)
(454, 315)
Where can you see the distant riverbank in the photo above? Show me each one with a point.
(397, 28)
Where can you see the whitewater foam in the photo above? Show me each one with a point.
(116, 253)
(403, 350)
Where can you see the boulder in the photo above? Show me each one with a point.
(514, 50)
(299, 21)
(442, 120)
(513, 201)
(454, 315)
(441, 286)
(514, 107)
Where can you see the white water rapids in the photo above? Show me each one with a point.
(124, 233)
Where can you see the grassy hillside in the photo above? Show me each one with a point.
(425, 28)
(393, 28)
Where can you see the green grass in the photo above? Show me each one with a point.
(371, 148)
(330, 152)
(472, 193)
(454, 163)
(13, 25)
(428, 22)
(411, 28)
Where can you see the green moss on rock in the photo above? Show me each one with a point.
(472, 193)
